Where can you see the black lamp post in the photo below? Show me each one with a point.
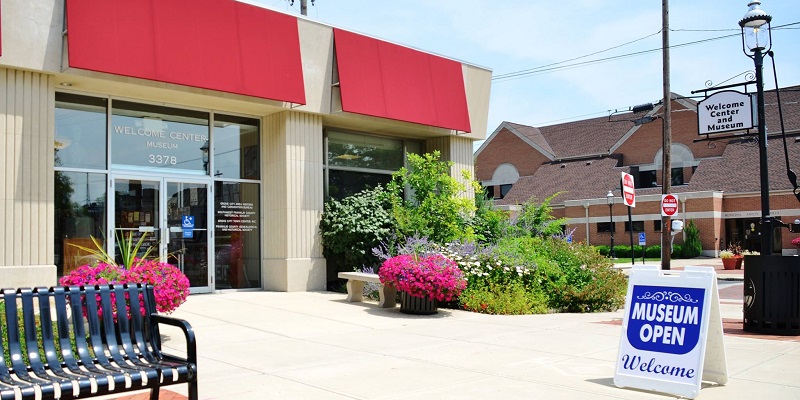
(757, 40)
(610, 200)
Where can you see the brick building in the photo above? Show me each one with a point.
(716, 181)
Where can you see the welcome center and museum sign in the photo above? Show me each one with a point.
(725, 111)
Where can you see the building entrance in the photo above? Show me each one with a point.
(746, 232)
(172, 216)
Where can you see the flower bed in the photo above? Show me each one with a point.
(434, 277)
(170, 285)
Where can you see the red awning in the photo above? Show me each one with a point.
(220, 45)
(386, 80)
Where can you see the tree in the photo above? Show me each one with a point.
(436, 208)
(692, 246)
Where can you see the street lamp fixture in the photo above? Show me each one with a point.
(610, 200)
(757, 40)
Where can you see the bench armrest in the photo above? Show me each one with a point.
(188, 332)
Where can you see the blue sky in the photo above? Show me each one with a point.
(515, 35)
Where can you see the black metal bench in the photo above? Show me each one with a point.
(89, 349)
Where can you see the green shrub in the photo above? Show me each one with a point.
(603, 250)
(350, 228)
(437, 209)
(574, 277)
(510, 299)
(589, 282)
(622, 251)
(653, 251)
(691, 246)
(488, 224)
(677, 250)
(536, 220)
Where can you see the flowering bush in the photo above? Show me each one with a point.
(434, 276)
(725, 254)
(735, 248)
(170, 285)
(796, 242)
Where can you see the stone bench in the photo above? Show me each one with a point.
(355, 288)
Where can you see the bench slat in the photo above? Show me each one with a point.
(126, 345)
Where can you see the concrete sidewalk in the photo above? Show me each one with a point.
(315, 345)
(679, 264)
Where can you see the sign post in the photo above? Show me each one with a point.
(629, 198)
(672, 332)
(643, 243)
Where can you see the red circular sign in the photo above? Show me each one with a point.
(627, 190)
(669, 205)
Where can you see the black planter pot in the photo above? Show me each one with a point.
(772, 295)
(417, 305)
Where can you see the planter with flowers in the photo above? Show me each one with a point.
(170, 285)
(732, 257)
(422, 281)
(796, 243)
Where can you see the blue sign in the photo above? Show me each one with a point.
(187, 223)
(569, 239)
(642, 240)
(665, 319)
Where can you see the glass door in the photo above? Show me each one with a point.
(187, 238)
(172, 216)
(136, 215)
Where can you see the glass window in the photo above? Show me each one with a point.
(504, 189)
(236, 235)
(80, 215)
(149, 136)
(347, 183)
(657, 225)
(362, 151)
(604, 226)
(638, 226)
(677, 176)
(647, 179)
(236, 144)
(80, 124)
(489, 190)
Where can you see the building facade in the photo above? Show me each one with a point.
(215, 129)
(716, 179)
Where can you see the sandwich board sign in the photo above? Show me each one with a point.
(671, 337)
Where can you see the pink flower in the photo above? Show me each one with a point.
(435, 277)
(170, 285)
